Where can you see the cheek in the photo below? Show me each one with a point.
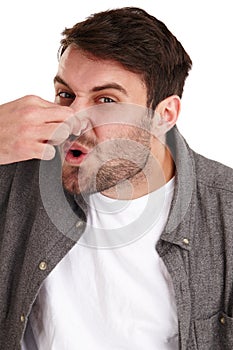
(121, 131)
(109, 132)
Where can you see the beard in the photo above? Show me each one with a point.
(110, 162)
(81, 179)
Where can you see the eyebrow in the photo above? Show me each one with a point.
(110, 86)
(58, 79)
(115, 86)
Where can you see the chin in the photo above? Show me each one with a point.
(88, 178)
(76, 180)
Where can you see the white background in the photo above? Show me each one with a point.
(30, 37)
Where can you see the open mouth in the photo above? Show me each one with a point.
(75, 154)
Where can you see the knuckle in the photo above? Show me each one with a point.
(30, 99)
(30, 106)
(30, 110)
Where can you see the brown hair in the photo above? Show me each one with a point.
(140, 42)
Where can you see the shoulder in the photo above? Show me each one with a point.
(214, 185)
(213, 174)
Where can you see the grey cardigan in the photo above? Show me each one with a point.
(37, 230)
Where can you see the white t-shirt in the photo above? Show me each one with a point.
(113, 294)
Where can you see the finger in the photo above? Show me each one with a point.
(43, 151)
(71, 125)
(34, 106)
(53, 133)
(35, 100)
(75, 125)
(37, 112)
(57, 114)
(48, 152)
(31, 150)
(60, 134)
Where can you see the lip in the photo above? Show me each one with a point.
(71, 150)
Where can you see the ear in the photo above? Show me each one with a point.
(166, 115)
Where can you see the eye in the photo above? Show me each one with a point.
(64, 98)
(64, 94)
(106, 100)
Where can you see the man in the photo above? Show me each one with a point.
(123, 238)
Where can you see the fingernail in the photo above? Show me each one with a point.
(82, 128)
(49, 152)
(84, 124)
(77, 133)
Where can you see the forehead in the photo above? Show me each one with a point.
(77, 67)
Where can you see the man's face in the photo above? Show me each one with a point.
(111, 102)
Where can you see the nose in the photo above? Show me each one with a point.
(80, 104)
(81, 126)
(81, 120)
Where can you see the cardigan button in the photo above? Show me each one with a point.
(42, 265)
(186, 241)
(222, 320)
(22, 318)
(79, 224)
